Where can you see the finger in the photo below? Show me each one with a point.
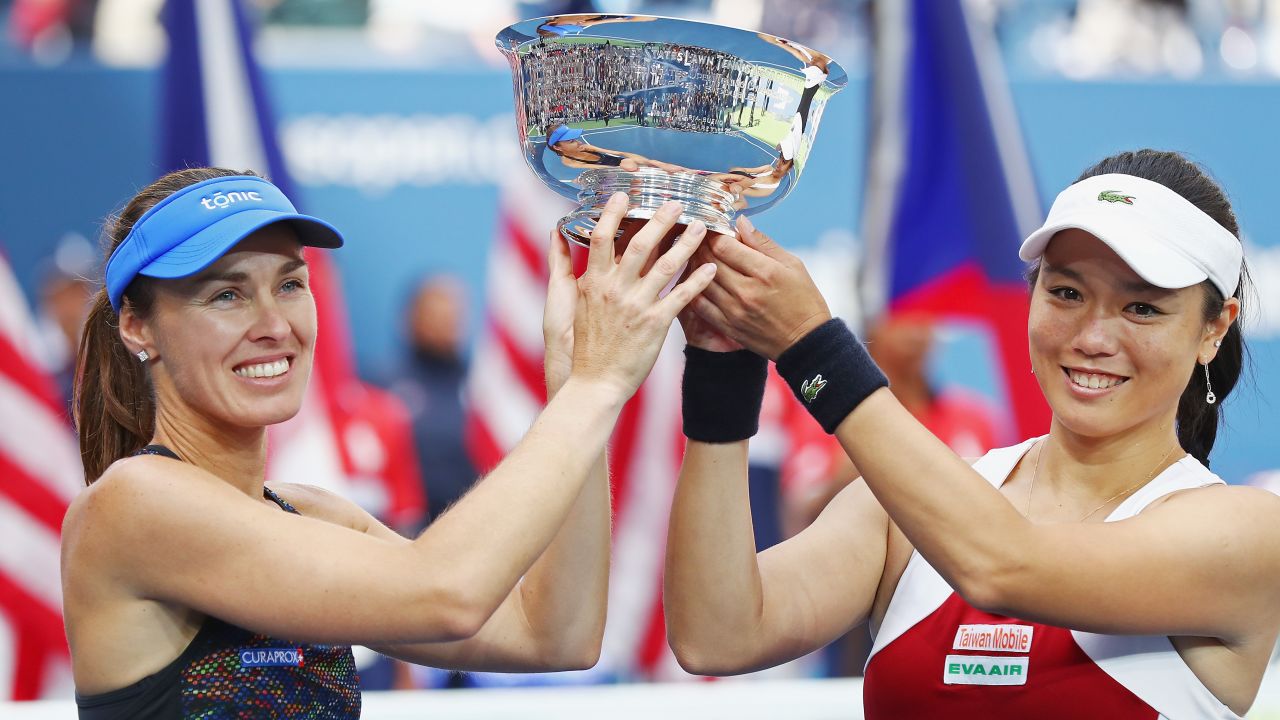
(716, 292)
(738, 255)
(758, 241)
(600, 256)
(673, 260)
(640, 249)
(683, 293)
(711, 315)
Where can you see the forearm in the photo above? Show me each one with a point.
(564, 595)
(949, 512)
(713, 593)
(495, 533)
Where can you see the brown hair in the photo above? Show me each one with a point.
(113, 404)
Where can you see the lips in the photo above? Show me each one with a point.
(269, 369)
(1093, 380)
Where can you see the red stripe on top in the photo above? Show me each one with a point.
(527, 370)
(31, 495)
(31, 379)
(521, 243)
(905, 678)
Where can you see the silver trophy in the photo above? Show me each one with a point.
(718, 118)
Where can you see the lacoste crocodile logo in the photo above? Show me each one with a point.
(809, 389)
(1115, 196)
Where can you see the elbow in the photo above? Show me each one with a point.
(988, 586)
(580, 656)
(697, 660)
(456, 614)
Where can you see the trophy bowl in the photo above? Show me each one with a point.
(718, 118)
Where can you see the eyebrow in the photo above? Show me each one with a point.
(239, 277)
(1133, 286)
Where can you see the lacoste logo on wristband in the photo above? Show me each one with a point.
(1115, 196)
(809, 389)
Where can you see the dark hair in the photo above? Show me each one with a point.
(113, 403)
(1197, 420)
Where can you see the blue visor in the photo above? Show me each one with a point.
(562, 133)
(189, 230)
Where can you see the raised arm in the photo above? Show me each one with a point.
(730, 610)
(1179, 568)
(194, 541)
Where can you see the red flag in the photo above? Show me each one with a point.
(40, 472)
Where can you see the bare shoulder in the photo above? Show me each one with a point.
(134, 487)
(1250, 508)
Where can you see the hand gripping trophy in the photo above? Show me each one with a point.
(720, 119)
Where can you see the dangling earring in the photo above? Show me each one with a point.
(1209, 398)
(143, 356)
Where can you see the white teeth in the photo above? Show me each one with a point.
(1095, 381)
(264, 370)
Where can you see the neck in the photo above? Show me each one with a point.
(1093, 468)
(235, 455)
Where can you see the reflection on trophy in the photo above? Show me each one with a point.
(720, 119)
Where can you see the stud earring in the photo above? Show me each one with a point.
(143, 356)
(1217, 343)
(1209, 397)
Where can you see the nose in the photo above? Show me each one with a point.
(269, 321)
(1096, 337)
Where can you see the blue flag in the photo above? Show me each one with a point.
(950, 193)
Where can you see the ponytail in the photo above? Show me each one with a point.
(113, 403)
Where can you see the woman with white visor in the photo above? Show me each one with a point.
(1099, 571)
(192, 589)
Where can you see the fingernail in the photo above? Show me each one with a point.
(696, 228)
(746, 223)
(618, 197)
(708, 269)
(670, 208)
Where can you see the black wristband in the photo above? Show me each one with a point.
(831, 372)
(722, 394)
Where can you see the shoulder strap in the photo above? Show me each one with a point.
(159, 450)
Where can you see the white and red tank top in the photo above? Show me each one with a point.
(937, 656)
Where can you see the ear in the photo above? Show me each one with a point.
(1216, 329)
(136, 333)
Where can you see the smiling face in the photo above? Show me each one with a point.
(233, 344)
(1111, 351)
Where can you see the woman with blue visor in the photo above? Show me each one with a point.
(193, 589)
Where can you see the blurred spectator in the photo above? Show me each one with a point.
(65, 291)
(429, 381)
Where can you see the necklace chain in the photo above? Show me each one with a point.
(1036, 473)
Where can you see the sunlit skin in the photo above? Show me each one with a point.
(1091, 313)
(253, 306)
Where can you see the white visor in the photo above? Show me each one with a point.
(1168, 241)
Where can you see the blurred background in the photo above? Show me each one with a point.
(393, 119)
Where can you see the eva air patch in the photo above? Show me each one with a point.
(984, 670)
(809, 389)
(1115, 196)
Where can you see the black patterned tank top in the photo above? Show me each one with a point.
(230, 672)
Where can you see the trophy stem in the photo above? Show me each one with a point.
(647, 189)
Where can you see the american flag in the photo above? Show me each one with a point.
(39, 474)
(505, 392)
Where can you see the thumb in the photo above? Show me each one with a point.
(757, 240)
